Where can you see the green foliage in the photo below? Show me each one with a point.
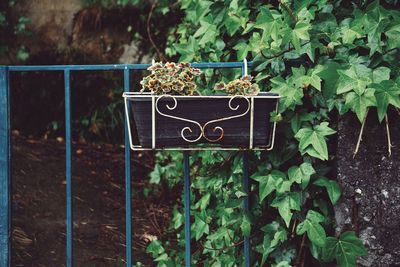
(312, 140)
(311, 225)
(324, 58)
(332, 188)
(345, 249)
(10, 29)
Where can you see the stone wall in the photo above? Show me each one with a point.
(370, 181)
(66, 32)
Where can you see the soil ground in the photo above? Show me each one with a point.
(38, 169)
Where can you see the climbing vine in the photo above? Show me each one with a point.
(325, 58)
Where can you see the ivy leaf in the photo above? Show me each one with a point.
(203, 202)
(242, 49)
(246, 225)
(282, 264)
(235, 18)
(22, 53)
(315, 232)
(375, 28)
(303, 80)
(232, 23)
(200, 226)
(257, 44)
(313, 80)
(351, 29)
(177, 218)
(3, 19)
(312, 140)
(301, 174)
(328, 72)
(266, 186)
(300, 32)
(274, 235)
(356, 78)
(155, 175)
(196, 10)
(291, 94)
(380, 74)
(285, 204)
(269, 23)
(187, 50)
(332, 188)
(393, 35)
(162, 257)
(207, 31)
(359, 102)
(345, 249)
(387, 92)
(276, 180)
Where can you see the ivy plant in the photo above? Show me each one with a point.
(324, 58)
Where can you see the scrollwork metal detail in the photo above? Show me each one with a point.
(203, 128)
(187, 128)
(233, 108)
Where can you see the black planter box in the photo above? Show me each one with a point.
(221, 120)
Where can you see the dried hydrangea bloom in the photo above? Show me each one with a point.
(187, 76)
(172, 78)
(253, 90)
(184, 65)
(166, 88)
(242, 86)
(151, 83)
(219, 86)
(178, 85)
(195, 72)
(170, 65)
(155, 66)
(247, 78)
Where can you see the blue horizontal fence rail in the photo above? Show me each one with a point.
(5, 159)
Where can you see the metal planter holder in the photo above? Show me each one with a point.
(164, 106)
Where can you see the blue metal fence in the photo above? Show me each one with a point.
(5, 159)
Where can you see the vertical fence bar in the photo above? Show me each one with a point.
(68, 164)
(5, 174)
(186, 174)
(128, 188)
(246, 243)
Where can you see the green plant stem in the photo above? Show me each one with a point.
(160, 55)
(289, 11)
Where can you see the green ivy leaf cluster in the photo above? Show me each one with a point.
(323, 58)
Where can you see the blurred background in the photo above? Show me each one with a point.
(48, 32)
(38, 32)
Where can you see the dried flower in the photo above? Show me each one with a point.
(176, 79)
(242, 86)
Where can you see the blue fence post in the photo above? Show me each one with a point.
(68, 167)
(5, 174)
(128, 186)
(246, 243)
(186, 186)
